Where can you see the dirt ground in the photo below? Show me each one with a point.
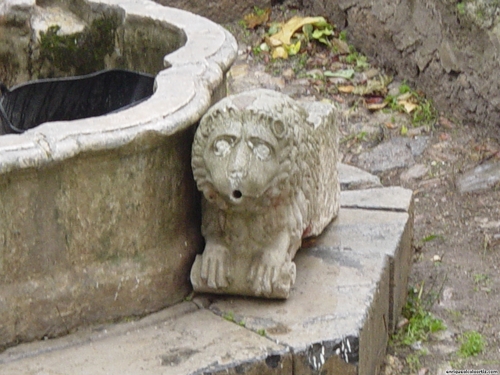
(456, 236)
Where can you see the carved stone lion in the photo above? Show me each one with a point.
(267, 167)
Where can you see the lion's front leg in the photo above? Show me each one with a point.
(215, 265)
(272, 271)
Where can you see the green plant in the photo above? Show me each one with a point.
(480, 278)
(425, 113)
(258, 11)
(413, 361)
(404, 88)
(261, 332)
(231, 318)
(343, 35)
(432, 237)
(461, 8)
(421, 322)
(357, 59)
(472, 343)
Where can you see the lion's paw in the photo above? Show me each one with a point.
(271, 279)
(215, 267)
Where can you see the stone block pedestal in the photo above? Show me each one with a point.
(351, 285)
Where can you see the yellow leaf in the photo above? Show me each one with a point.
(407, 105)
(346, 89)
(293, 24)
(280, 53)
(375, 106)
(404, 130)
(272, 42)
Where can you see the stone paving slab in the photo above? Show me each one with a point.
(179, 340)
(392, 198)
(351, 285)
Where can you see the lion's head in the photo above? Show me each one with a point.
(245, 149)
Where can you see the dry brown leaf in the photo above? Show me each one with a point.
(390, 125)
(253, 20)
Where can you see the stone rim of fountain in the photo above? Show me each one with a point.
(184, 91)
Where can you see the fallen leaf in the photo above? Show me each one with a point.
(375, 106)
(280, 53)
(253, 20)
(343, 73)
(390, 125)
(374, 100)
(346, 89)
(407, 105)
(273, 43)
(284, 36)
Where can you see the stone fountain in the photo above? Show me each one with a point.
(99, 216)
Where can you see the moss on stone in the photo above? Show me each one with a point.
(79, 53)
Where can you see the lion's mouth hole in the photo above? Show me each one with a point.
(237, 194)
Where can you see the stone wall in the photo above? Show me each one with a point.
(449, 49)
(446, 48)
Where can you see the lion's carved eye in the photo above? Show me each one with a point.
(261, 149)
(222, 146)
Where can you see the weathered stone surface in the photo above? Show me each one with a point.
(416, 172)
(177, 341)
(336, 321)
(218, 10)
(267, 167)
(397, 153)
(352, 178)
(392, 198)
(346, 295)
(447, 51)
(484, 176)
(99, 218)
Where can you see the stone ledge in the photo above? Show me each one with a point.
(350, 287)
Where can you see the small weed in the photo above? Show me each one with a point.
(432, 237)
(480, 278)
(229, 316)
(461, 8)
(472, 343)
(261, 332)
(421, 322)
(404, 88)
(358, 137)
(258, 11)
(343, 35)
(413, 361)
(425, 113)
(357, 59)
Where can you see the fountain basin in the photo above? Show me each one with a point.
(99, 217)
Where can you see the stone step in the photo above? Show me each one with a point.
(351, 285)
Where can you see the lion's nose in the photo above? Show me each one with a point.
(237, 174)
(239, 161)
